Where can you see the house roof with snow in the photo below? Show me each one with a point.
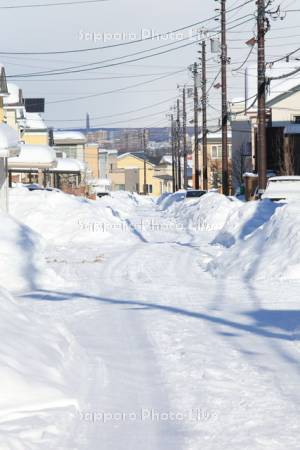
(34, 157)
(68, 137)
(166, 159)
(216, 136)
(278, 89)
(34, 121)
(65, 165)
(154, 160)
(14, 95)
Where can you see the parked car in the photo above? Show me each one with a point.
(194, 193)
(282, 188)
(103, 194)
(37, 187)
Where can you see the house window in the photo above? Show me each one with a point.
(216, 152)
(150, 188)
(297, 119)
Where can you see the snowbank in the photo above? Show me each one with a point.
(124, 203)
(62, 218)
(243, 221)
(21, 263)
(263, 240)
(209, 212)
(38, 371)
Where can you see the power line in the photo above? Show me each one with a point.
(42, 5)
(286, 75)
(55, 72)
(156, 36)
(285, 56)
(66, 70)
(115, 115)
(114, 90)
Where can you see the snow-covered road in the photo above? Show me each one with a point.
(176, 358)
(164, 354)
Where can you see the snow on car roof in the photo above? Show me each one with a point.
(285, 178)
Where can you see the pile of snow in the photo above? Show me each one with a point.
(209, 212)
(263, 240)
(38, 371)
(125, 203)
(61, 218)
(170, 201)
(21, 264)
(243, 221)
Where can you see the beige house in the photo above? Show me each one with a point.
(214, 159)
(163, 172)
(126, 172)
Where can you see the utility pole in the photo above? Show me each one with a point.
(196, 126)
(145, 190)
(178, 133)
(173, 153)
(185, 175)
(261, 92)
(224, 61)
(204, 118)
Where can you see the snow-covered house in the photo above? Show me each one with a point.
(31, 126)
(33, 164)
(67, 173)
(69, 144)
(283, 121)
(9, 147)
(9, 144)
(214, 158)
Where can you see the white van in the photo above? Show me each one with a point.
(283, 188)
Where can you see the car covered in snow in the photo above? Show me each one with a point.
(282, 188)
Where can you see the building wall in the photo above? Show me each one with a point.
(92, 159)
(35, 138)
(1, 110)
(107, 163)
(3, 172)
(117, 179)
(3, 185)
(214, 164)
(286, 109)
(11, 119)
(241, 146)
(132, 177)
(73, 151)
